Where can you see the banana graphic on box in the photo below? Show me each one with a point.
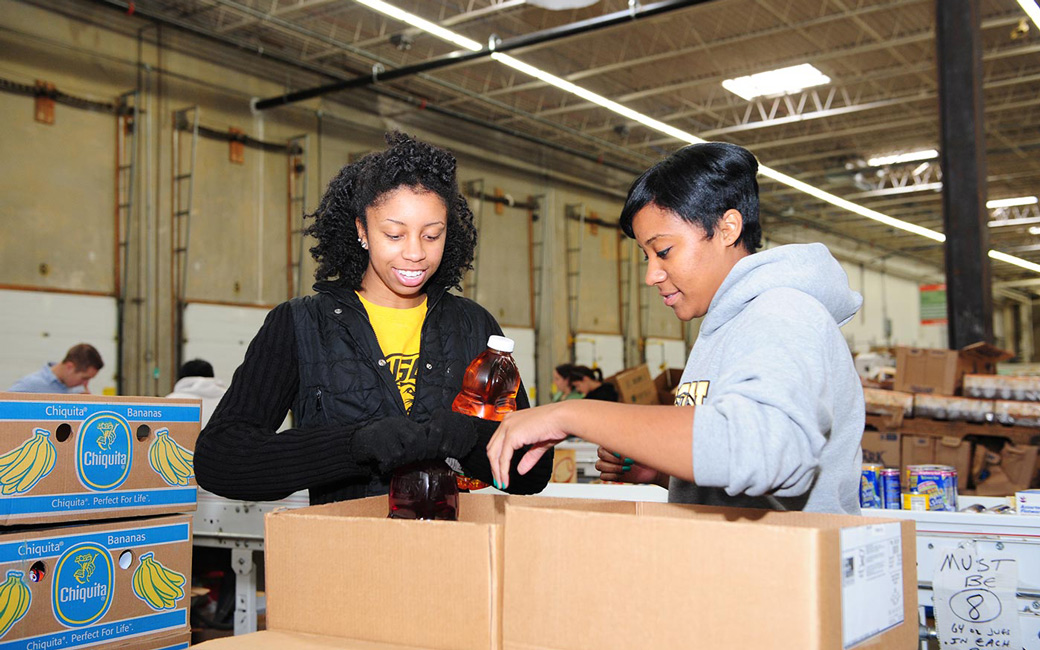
(14, 601)
(170, 460)
(23, 467)
(156, 585)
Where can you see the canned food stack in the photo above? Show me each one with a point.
(924, 487)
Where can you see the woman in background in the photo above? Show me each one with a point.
(589, 382)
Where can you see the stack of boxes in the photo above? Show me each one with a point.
(95, 548)
(937, 390)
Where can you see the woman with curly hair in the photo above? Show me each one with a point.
(370, 364)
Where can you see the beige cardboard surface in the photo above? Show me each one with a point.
(279, 640)
(941, 372)
(918, 450)
(882, 448)
(79, 457)
(674, 576)
(923, 370)
(634, 386)
(666, 383)
(175, 641)
(96, 584)
(430, 584)
(957, 453)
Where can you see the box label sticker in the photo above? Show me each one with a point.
(104, 451)
(83, 584)
(872, 581)
(974, 598)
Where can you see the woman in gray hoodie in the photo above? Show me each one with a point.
(771, 408)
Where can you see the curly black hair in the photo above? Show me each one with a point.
(406, 162)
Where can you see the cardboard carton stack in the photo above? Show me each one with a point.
(534, 572)
(957, 386)
(95, 548)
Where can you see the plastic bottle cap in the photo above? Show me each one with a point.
(501, 343)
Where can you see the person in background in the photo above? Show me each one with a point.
(81, 364)
(770, 408)
(371, 363)
(195, 380)
(563, 387)
(589, 382)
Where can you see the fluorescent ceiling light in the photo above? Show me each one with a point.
(1016, 222)
(911, 156)
(1032, 10)
(423, 24)
(1011, 203)
(782, 81)
(673, 132)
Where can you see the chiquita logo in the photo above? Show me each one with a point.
(104, 451)
(82, 591)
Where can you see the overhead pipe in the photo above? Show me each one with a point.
(463, 56)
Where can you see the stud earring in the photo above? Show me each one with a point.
(364, 245)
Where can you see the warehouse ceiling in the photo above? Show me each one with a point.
(881, 98)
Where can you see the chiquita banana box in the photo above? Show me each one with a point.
(118, 584)
(75, 457)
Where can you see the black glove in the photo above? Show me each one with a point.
(390, 443)
(453, 434)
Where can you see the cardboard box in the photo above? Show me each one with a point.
(1023, 389)
(917, 450)
(923, 370)
(279, 640)
(944, 407)
(724, 577)
(666, 383)
(634, 386)
(527, 572)
(91, 584)
(955, 452)
(174, 641)
(90, 457)
(882, 448)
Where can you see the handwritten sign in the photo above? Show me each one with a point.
(974, 598)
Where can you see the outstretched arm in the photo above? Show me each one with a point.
(660, 437)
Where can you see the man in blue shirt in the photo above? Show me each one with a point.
(81, 364)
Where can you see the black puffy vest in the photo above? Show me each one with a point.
(344, 378)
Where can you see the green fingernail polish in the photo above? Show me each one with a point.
(616, 455)
(628, 461)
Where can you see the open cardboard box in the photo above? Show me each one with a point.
(81, 587)
(87, 457)
(941, 372)
(522, 573)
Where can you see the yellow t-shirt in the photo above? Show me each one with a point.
(399, 332)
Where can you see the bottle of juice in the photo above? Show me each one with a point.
(430, 489)
(488, 390)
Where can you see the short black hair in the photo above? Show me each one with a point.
(406, 162)
(699, 183)
(84, 356)
(195, 368)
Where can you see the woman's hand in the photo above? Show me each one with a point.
(540, 427)
(614, 467)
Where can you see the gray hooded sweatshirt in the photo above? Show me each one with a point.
(780, 414)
